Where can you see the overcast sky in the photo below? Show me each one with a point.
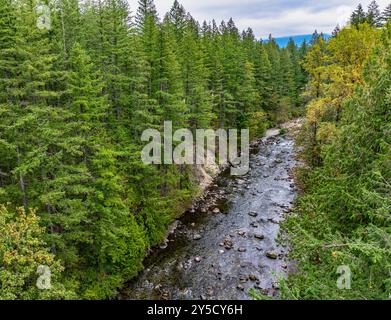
(279, 17)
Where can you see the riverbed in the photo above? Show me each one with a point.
(226, 246)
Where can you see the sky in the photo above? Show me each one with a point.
(279, 17)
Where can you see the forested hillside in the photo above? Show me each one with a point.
(80, 81)
(78, 85)
(343, 218)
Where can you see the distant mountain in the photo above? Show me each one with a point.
(283, 41)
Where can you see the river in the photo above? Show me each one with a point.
(227, 244)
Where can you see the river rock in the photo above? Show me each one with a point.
(242, 249)
(164, 245)
(259, 236)
(272, 220)
(228, 244)
(253, 214)
(216, 210)
(197, 237)
(240, 287)
(197, 259)
(241, 233)
(253, 277)
(254, 225)
(272, 255)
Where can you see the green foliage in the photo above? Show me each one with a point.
(74, 101)
(373, 16)
(344, 216)
(335, 69)
(22, 251)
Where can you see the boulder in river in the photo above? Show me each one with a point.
(242, 249)
(253, 214)
(216, 210)
(259, 236)
(197, 259)
(272, 255)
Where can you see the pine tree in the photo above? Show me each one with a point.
(277, 85)
(177, 16)
(336, 30)
(146, 10)
(373, 16)
(358, 16)
(386, 14)
(263, 72)
(169, 87)
(299, 78)
(315, 37)
(288, 83)
(10, 59)
(67, 22)
(248, 96)
(195, 79)
(249, 44)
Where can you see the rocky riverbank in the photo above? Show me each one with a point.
(227, 243)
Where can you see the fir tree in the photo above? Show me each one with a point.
(386, 14)
(358, 16)
(177, 16)
(263, 72)
(336, 30)
(373, 16)
(146, 10)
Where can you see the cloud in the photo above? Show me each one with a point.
(279, 17)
